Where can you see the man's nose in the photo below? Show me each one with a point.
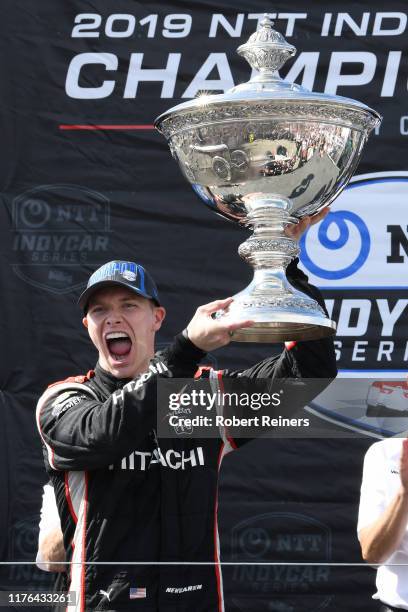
(114, 317)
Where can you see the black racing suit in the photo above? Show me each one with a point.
(125, 497)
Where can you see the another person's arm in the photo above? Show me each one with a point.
(51, 551)
(381, 538)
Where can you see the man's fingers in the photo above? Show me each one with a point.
(217, 305)
(295, 231)
(239, 325)
(319, 216)
(303, 225)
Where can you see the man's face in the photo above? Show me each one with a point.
(122, 326)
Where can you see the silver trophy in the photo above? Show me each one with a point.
(265, 154)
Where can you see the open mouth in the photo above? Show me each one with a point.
(119, 345)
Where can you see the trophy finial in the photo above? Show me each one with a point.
(266, 49)
(267, 21)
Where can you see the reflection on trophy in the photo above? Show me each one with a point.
(265, 154)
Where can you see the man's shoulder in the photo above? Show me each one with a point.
(66, 389)
(205, 371)
(80, 378)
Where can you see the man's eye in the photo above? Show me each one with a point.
(130, 305)
(96, 309)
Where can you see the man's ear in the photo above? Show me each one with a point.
(159, 314)
(85, 322)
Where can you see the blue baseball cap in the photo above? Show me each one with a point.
(126, 274)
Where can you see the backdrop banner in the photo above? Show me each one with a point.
(85, 178)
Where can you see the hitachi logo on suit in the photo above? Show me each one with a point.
(175, 460)
(135, 385)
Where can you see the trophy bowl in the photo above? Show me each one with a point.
(265, 154)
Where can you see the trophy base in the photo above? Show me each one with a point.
(279, 318)
(282, 329)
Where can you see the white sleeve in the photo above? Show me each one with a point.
(49, 521)
(372, 494)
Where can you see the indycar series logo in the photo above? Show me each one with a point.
(358, 257)
(57, 230)
(287, 537)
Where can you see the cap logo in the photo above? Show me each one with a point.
(113, 272)
(129, 275)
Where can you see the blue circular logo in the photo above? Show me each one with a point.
(340, 218)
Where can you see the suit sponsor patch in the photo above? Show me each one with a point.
(184, 589)
(66, 400)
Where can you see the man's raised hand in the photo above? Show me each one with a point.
(209, 333)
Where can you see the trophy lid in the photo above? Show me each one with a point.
(267, 51)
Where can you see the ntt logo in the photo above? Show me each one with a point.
(363, 242)
(334, 235)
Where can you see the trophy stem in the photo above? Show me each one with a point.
(280, 311)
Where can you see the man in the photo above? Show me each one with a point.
(123, 497)
(383, 520)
